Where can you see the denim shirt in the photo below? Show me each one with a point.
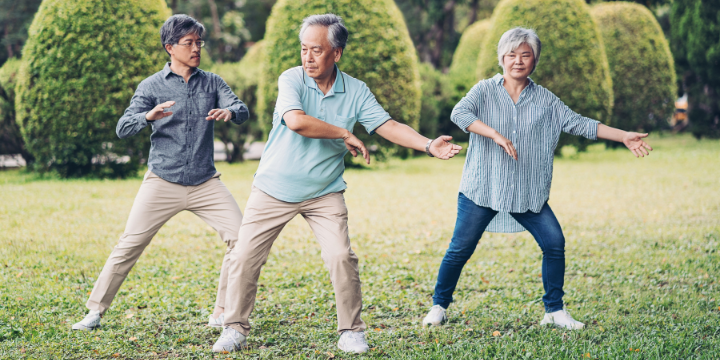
(491, 178)
(181, 149)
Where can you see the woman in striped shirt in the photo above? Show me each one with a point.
(514, 126)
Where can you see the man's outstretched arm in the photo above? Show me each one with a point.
(406, 136)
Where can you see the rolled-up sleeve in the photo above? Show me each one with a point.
(574, 123)
(227, 99)
(133, 120)
(467, 111)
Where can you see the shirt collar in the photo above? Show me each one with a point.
(338, 86)
(499, 79)
(167, 71)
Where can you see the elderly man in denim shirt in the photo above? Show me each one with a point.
(181, 104)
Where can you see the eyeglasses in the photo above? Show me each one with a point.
(199, 44)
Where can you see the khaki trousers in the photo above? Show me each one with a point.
(156, 202)
(264, 218)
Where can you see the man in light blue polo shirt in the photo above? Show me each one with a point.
(301, 173)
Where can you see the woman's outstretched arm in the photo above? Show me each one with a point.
(633, 141)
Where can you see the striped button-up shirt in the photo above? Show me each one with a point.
(181, 145)
(491, 178)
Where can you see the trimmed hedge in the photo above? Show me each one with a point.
(242, 77)
(81, 65)
(11, 141)
(463, 69)
(573, 64)
(641, 65)
(436, 103)
(379, 52)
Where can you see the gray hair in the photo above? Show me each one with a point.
(178, 26)
(513, 38)
(337, 32)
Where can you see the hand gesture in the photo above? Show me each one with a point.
(442, 149)
(354, 144)
(506, 145)
(634, 142)
(219, 114)
(159, 112)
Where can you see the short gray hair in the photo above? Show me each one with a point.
(337, 32)
(178, 26)
(513, 38)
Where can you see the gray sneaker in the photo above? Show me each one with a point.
(213, 322)
(90, 322)
(353, 342)
(230, 340)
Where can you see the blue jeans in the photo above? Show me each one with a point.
(469, 227)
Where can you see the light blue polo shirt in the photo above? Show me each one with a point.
(294, 168)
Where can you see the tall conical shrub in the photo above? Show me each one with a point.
(641, 65)
(463, 70)
(81, 65)
(573, 64)
(379, 52)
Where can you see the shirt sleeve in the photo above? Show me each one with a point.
(289, 93)
(227, 99)
(467, 110)
(133, 120)
(371, 114)
(574, 123)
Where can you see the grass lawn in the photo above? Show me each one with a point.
(643, 267)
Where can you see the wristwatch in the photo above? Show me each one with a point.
(427, 148)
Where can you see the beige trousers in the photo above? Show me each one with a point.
(264, 218)
(156, 202)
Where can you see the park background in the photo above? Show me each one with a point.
(642, 235)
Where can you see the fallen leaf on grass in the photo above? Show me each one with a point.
(22, 350)
(115, 355)
(378, 329)
(19, 274)
(587, 355)
(129, 315)
(330, 355)
(496, 333)
(132, 338)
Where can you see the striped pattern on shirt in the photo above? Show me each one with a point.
(491, 178)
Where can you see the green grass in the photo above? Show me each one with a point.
(642, 267)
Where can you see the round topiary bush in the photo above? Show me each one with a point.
(379, 52)
(573, 64)
(641, 65)
(81, 65)
(463, 69)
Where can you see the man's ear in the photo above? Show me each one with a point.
(338, 54)
(169, 49)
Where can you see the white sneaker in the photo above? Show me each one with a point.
(353, 342)
(90, 322)
(562, 319)
(230, 340)
(213, 322)
(435, 317)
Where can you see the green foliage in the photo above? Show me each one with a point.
(464, 65)
(15, 17)
(81, 65)
(243, 79)
(11, 141)
(379, 52)
(436, 93)
(572, 64)
(641, 65)
(695, 40)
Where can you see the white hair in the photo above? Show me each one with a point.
(513, 38)
(337, 32)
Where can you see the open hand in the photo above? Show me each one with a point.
(159, 112)
(634, 142)
(506, 145)
(443, 149)
(219, 114)
(354, 144)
